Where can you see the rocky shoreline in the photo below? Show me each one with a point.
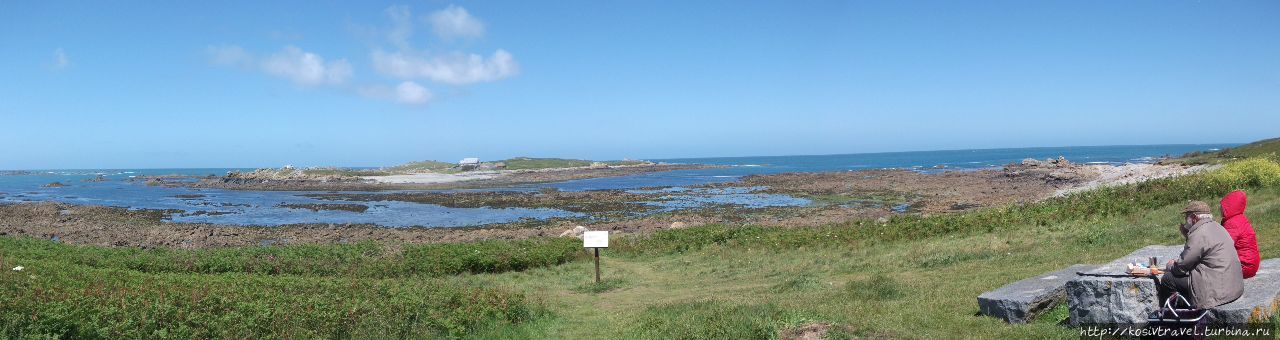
(836, 196)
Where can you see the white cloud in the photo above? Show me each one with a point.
(411, 93)
(405, 67)
(407, 92)
(454, 69)
(60, 60)
(401, 26)
(454, 22)
(229, 55)
(306, 68)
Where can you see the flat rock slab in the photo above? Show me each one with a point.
(1260, 300)
(1117, 300)
(1163, 253)
(1022, 301)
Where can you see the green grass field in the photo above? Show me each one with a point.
(423, 166)
(912, 277)
(526, 163)
(1269, 148)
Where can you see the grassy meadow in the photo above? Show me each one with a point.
(910, 277)
(1269, 148)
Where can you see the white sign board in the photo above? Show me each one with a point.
(595, 239)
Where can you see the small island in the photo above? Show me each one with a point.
(470, 173)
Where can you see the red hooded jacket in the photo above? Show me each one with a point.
(1241, 232)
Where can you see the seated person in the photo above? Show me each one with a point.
(1208, 271)
(1241, 231)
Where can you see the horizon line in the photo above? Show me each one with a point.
(678, 158)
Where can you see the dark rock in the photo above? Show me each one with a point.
(54, 185)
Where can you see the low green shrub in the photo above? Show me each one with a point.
(61, 300)
(526, 163)
(1253, 172)
(363, 259)
(490, 256)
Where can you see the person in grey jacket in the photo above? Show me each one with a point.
(1208, 271)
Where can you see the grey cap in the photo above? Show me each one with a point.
(1197, 207)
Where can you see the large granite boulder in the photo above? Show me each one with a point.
(1260, 300)
(1111, 300)
(1022, 301)
(1117, 300)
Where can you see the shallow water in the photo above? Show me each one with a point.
(261, 207)
(238, 207)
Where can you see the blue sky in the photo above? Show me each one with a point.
(248, 84)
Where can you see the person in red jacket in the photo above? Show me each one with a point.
(1241, 232)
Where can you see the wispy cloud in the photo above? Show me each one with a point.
(455, 22)
(60, 60)
(411, 93)
(407, 92)
(401, 26)
(292, 63)
(407, 73)
(453, 69)
(228, 55)
(306, 68)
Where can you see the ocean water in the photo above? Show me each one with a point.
(263, 207)
(925, 161)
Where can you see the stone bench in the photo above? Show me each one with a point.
(1107, 300)
(1260, 300)
(1117, 300)
(1022, 301)
(1122, 300)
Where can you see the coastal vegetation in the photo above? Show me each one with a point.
(422, 166)
(366, 259)
(907, 276)
(527, 163)
(1269, 148)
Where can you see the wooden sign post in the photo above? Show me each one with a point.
(596, 240)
